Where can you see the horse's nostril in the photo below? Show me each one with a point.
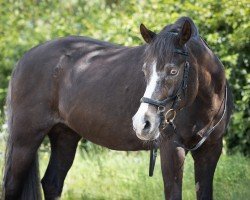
(147, 125)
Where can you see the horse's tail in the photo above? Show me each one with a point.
(31, 184)
(31, 188)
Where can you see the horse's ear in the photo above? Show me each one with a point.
(185, 33)
(146, 33)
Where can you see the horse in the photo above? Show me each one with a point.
(169, 93)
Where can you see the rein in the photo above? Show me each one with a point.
(168, 118)
(209, 131)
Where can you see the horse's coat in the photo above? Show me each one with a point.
(77, 87)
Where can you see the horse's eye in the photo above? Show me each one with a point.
(173, 71)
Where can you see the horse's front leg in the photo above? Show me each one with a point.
(172, 162)
(205, 161)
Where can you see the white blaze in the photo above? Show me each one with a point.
(152, 82)
(138, 119)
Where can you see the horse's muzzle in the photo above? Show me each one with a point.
(146, 126)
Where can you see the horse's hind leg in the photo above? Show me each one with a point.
(21, 177)
(63, 147)
(205, 161)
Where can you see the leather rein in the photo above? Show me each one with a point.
(169, 116)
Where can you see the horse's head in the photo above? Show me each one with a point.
(166, 69)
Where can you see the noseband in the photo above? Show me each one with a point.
(169, 116)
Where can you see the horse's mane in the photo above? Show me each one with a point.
(176, 27)
(160, 48)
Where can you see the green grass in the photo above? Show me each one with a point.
(119, 175)
(112, 175)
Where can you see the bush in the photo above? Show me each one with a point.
(224, 24)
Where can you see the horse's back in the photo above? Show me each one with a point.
(39, 67)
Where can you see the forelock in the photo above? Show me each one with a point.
(161, 48)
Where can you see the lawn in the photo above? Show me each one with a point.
(120, 175)
(103, 174)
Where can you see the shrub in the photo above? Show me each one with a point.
(224, 24)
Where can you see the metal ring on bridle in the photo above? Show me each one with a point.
(172, 114)
(161, 109)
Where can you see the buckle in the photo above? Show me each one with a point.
(170, 115)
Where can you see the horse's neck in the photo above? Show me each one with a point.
(211, 77)
(211, 74)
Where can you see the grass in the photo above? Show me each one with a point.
(120, 175)
(112, 175)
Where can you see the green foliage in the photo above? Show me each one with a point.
(224, 24)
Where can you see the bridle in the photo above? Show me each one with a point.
(169, 116)
(161, 106)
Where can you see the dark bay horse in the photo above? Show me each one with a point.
(76, 87)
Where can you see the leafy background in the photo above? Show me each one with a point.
(223, 24)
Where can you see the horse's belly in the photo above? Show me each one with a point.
(104, 120)
(117, 135)
(116, 140)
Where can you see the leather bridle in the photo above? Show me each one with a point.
(161, 106)
(169, 116)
